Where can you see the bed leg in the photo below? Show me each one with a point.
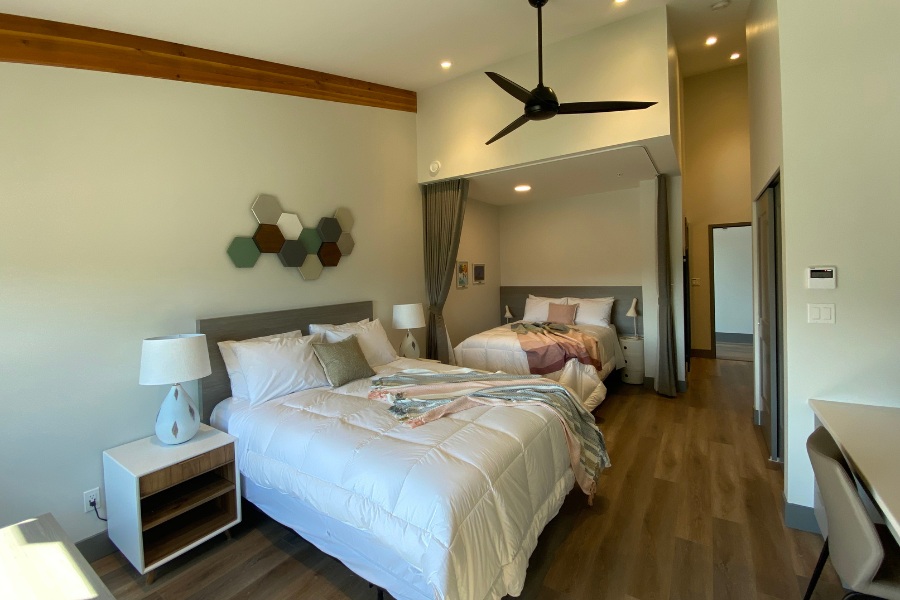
(380, 591)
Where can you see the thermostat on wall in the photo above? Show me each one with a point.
(821, 278)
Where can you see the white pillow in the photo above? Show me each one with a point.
(279, 366)
(238, 382)
(323, 328)
(371, 337)
(537, 308)
(593, 311)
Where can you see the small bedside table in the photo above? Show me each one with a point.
(633, 349)
(163, 500)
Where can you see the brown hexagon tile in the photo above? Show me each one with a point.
(268, 239)
(329, 254)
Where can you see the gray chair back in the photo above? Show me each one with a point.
(856, 550)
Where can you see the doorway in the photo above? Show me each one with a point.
(731, 290)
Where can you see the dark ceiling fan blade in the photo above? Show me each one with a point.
(510, 87)
(575, 108)
(511, 127)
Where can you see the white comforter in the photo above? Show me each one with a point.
(498, 349)
(461, 500)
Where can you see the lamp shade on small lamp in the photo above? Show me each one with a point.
(171, 360)
(508, 314)
(632, 312)
(409, 316)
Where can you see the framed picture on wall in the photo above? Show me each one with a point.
(462, 274)
(478, 274)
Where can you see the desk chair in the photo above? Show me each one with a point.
(866, 557)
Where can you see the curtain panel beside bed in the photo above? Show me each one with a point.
(665, 379)
(443, 209)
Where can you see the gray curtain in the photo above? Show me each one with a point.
(443, 209)
(665, 378)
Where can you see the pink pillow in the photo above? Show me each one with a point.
(563, 314)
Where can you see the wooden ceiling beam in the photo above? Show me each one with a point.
(40, 42)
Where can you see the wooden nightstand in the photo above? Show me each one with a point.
(163, 500)
(633, 349)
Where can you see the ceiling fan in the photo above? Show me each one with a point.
(541, 103)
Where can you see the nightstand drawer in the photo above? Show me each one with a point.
(188, 469)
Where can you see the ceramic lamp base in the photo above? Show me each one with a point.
(178, 419)
(409, 348)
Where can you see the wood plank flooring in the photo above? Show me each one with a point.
(691, 509)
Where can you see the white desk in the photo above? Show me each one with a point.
(869, 437)
(39, 562)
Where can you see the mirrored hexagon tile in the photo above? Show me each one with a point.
(329, 229)
(311, 239)
(311, 267)
(266, 208)
(268, 238)
(329, 254)
(345, 243)
(344, 218)
(243, 252)
(290, 226)
(292, 254)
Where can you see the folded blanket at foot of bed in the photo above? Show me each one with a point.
(548, 346)
(419, 397)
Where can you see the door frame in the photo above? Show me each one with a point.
(777, 454)
(712, 278)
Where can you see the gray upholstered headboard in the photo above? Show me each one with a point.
(514, 297)
(217, 387)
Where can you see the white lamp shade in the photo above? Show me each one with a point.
(632, 312)
(508, 314)
(174, 359)
(408, 316)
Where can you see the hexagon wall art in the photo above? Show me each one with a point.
(307, 249)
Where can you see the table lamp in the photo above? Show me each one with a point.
(632, 312)
(507, 315)
(173, 359)
(409, 316)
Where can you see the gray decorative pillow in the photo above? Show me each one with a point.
(343, 361)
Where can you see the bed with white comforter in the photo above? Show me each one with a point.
(498, 349)
(451, 510)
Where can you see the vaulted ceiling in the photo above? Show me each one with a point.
(398, 43)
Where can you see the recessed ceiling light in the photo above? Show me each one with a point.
(735, 55)
(522, 188)
(711, 40)
(621, 1)
(446, 64)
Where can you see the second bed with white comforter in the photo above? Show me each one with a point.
(498, 349)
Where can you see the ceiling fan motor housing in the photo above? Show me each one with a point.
(542, 104)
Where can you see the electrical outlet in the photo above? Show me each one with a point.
(91, 495)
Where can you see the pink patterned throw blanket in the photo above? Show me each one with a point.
(549, 346)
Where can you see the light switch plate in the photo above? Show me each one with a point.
(820, 313)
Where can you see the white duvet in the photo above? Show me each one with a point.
(498, 349)
(457, 504)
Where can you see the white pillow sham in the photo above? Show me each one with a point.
(276, 367)
(371, 336)
(593, 311)
(238, 382)
(537, 308)
(324, 328)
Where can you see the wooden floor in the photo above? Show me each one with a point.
(729, 351)
(690, 509)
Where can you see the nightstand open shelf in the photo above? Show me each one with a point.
(185, 529)
(165, 505)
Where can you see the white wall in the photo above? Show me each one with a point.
(476, 308)
(120, 197)
(591, 240)
(626, 60)
(841, 122)
(733, 269)
(764, 75)
(716, 175)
